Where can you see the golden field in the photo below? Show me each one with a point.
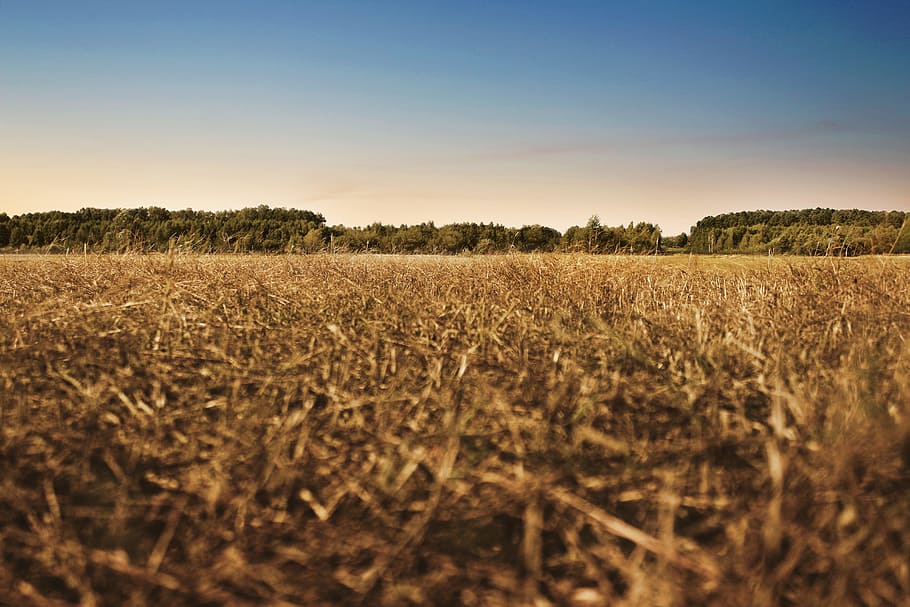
(505, 430)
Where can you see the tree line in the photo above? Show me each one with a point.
(264, 229)
(803, 232)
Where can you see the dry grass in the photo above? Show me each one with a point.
(563, 430)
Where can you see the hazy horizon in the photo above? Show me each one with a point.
(404, 112)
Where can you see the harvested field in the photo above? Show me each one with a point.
(539, 430)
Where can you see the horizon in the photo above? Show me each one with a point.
(327, 220)
(406, 112)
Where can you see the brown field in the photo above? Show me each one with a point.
(519, 430)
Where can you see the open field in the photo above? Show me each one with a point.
(565, 430)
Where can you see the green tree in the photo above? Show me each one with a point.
(4, 229)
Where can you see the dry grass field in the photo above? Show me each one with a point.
(519, 430)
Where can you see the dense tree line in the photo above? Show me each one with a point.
(286, 230)
(803, 232)
(265, 229)
(597, 238)
(155, 229)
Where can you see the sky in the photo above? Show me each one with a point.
(492, 110)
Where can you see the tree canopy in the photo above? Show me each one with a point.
(265, 229)
(804, 232)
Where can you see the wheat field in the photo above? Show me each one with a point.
(506, 430)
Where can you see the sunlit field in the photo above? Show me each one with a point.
(505, 430)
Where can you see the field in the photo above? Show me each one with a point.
(514, 430)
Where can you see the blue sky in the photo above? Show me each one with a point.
(515, 112)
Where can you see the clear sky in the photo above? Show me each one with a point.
(402, 112)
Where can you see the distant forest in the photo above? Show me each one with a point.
(264, 229)
(804, 232)
(274, 230)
